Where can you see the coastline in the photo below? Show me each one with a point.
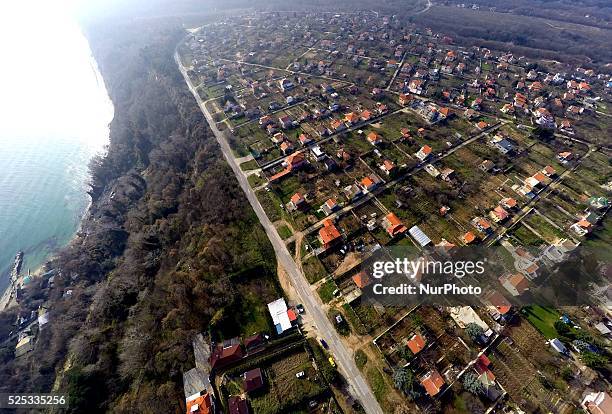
(8, 297)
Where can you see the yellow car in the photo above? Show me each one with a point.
(332, 362)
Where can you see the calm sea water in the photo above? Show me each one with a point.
(54, 116)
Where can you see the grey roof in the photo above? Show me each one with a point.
(201, 351)
(194, 381)
(419, 236)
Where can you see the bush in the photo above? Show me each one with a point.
(472, 384)
(360, 359)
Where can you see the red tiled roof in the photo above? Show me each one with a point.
(416, 343)
(328, 233)
(519, 282)
(253, 380)
(296, 198)
(432, 382)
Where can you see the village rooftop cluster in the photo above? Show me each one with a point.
(360, 131)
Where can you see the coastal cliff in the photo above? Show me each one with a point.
(169, 248)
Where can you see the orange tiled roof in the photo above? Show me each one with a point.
(416, 343)
(328, 232)
(361, 279)
(432, 382)
(519, 282)
(200, 405)
(469, 237)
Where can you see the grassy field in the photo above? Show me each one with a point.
(313, 269)
(284, 231)
(543, 319)
(249, 165)
(326, 291)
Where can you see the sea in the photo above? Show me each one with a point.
(54, 117)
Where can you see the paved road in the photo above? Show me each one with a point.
(344, 358)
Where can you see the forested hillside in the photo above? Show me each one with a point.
(170, 245)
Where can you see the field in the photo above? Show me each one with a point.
(326, 291)
(542, 319)
(283, 391)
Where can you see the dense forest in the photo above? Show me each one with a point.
(530, 36)
(168, 249)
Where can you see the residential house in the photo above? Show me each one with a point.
(549, 171)
(322, 130)
(565, 157)
(566, 126)
(416, 86)
(582, 227)
(278, 138)
(200, 404)
(352, 192)
(238, 405)
(371, 182)
(424, 153)
(498, 306)
(271, 129)
(516, 283)
(481, 224)
(509, 203)
(264, 121)
(366, 115)
(225, 353)
(486, 165)
(337, 125)
(374, 138)
(405, 99)
(468, 238)
(297, 202)
(305, 139)
(329, 234)
(285, 84)
(544, 118)
(317, 153)
(597, 403)
(432, 382)
(330, 206)
(507, 109)
(481, 125)
(351, 118)
(502, 144)
(287, 147)
(447, 174)
(520, 100)
(388, 167)
(498, 214)
(416, 343)
(282, 317)
(382, 108)
(470, 114)
(536, 181)
(362, 279)
(295, 161)
(393, 225)
(286, 122)
(329, 163)
(253, 342)
(253, 380)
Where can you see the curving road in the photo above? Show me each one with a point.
(344, 358)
